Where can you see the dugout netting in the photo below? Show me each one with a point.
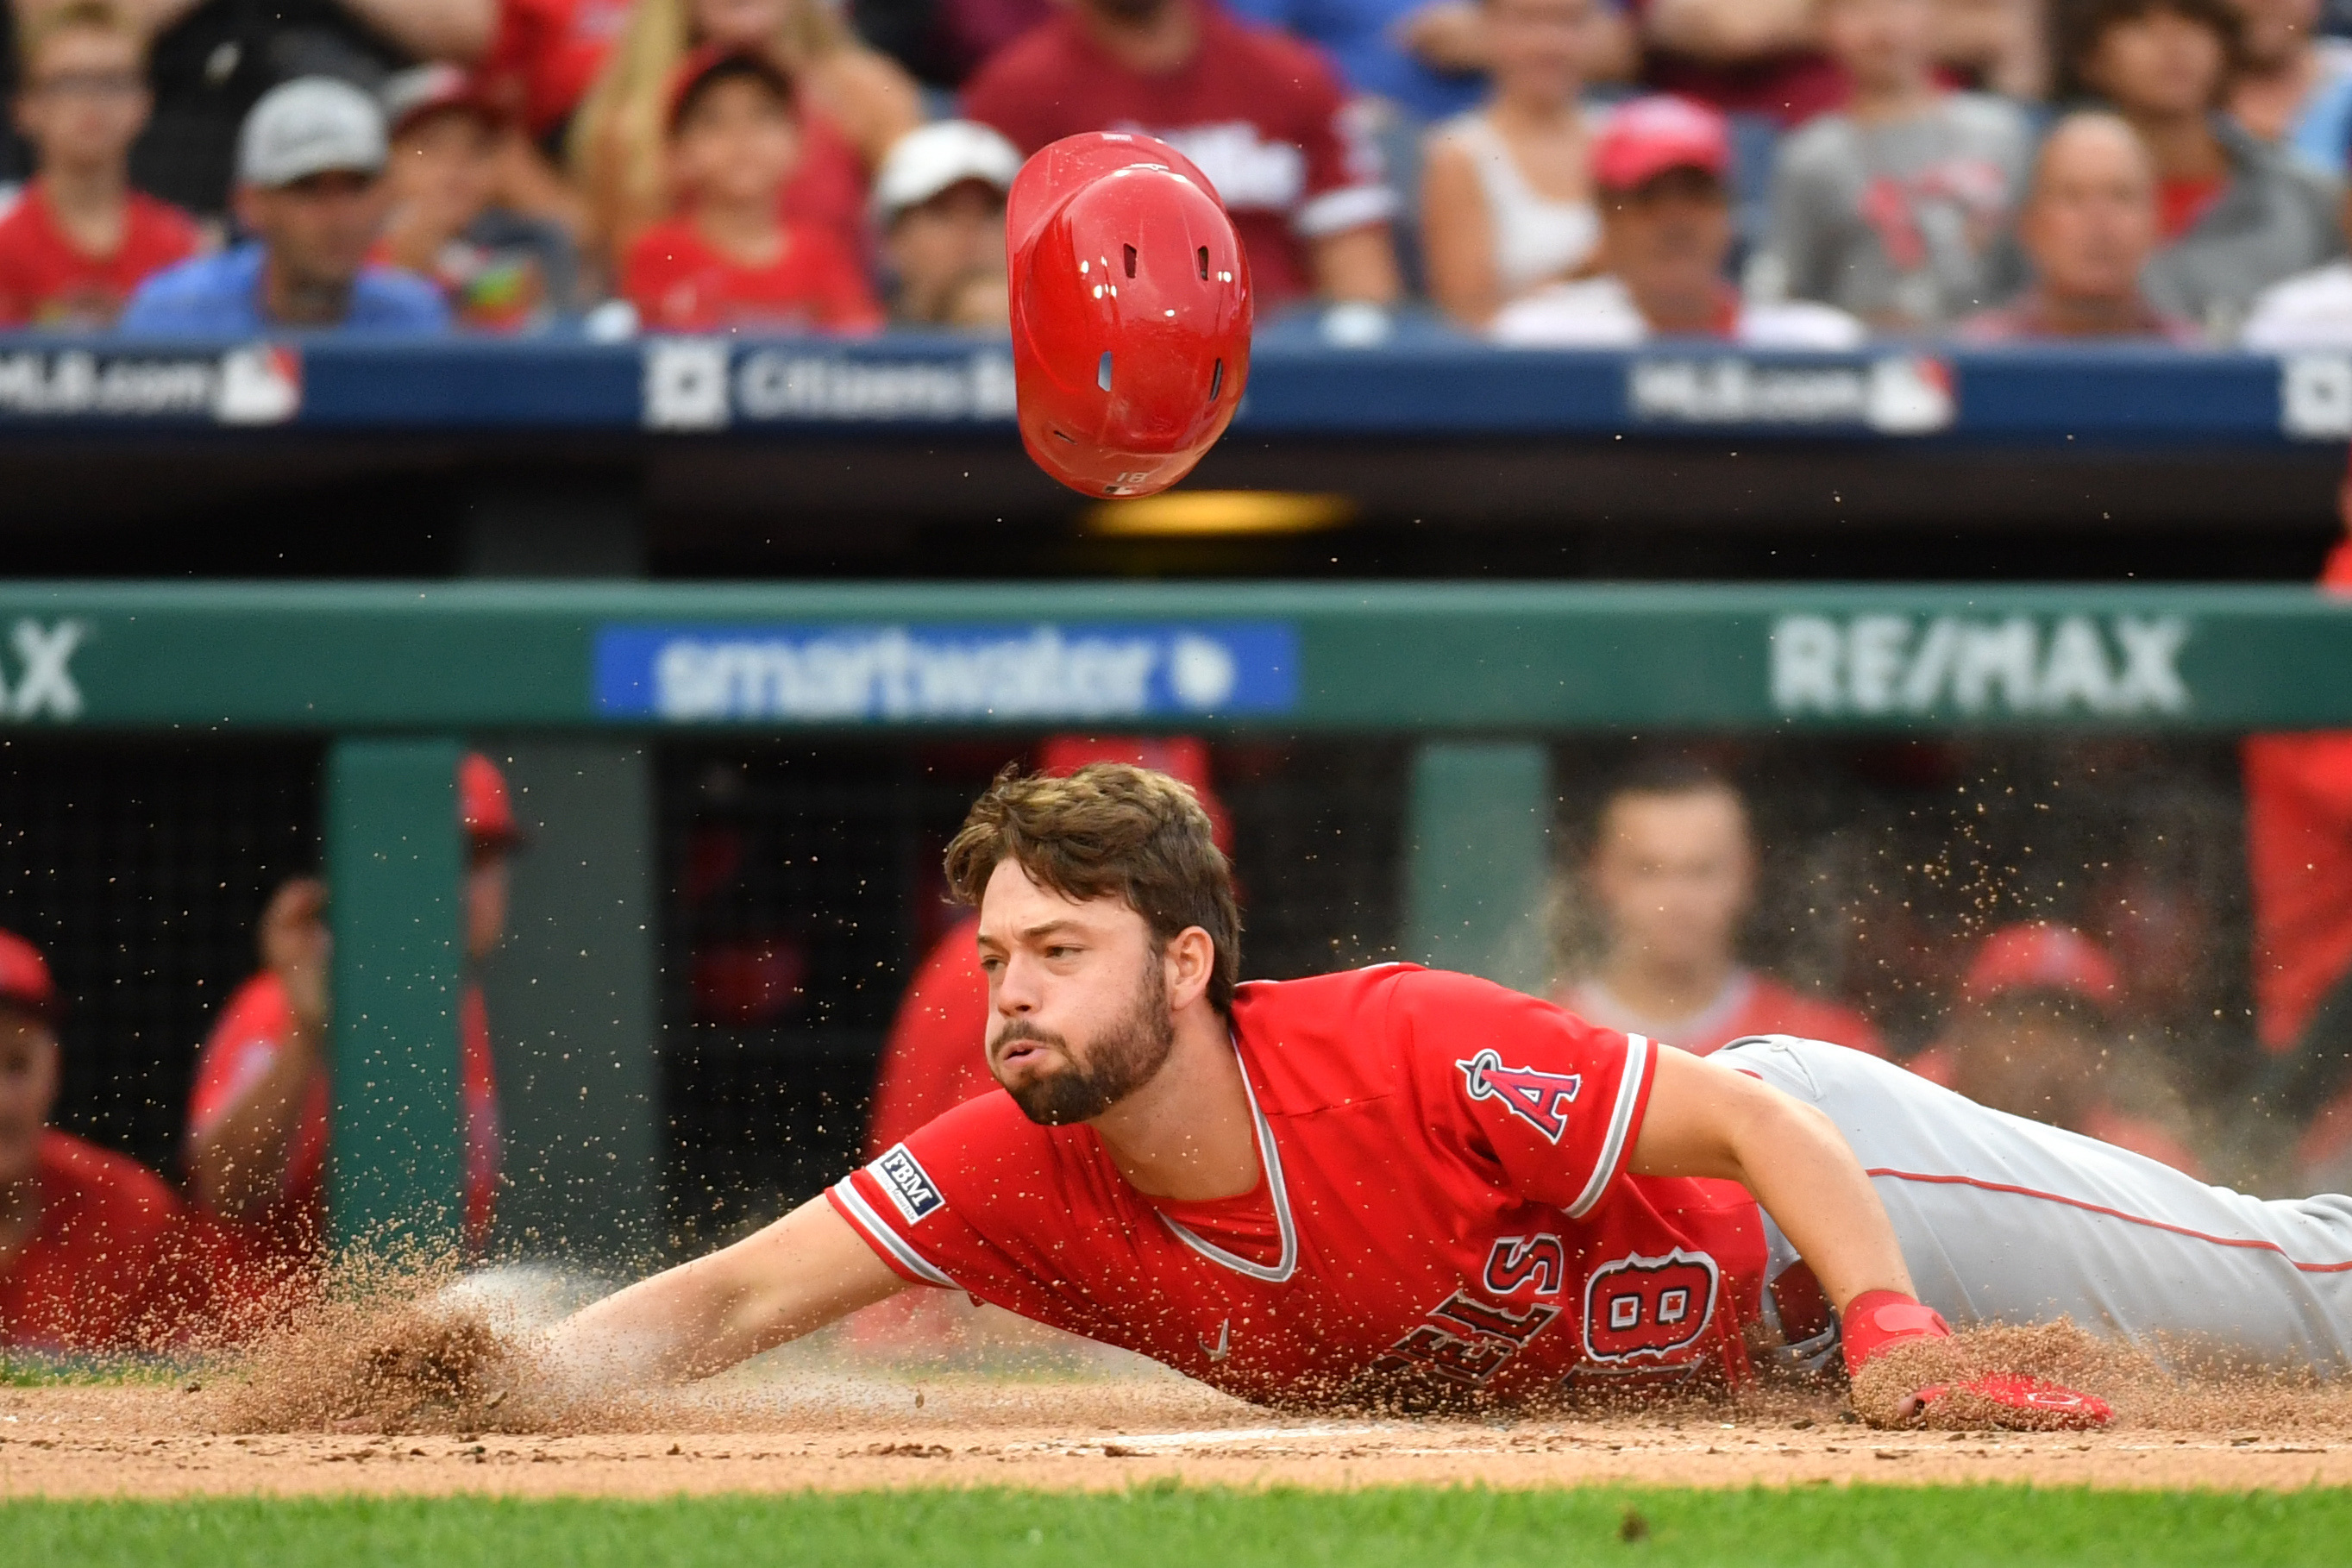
(799, 882)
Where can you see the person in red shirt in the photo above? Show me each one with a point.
(1406, 1187)
(1672, 876)
(2299, 861)
(96, 1253)
(258, 1120)
(729, 258)
(1261, 115)
(2035, 1034)
(79, 239)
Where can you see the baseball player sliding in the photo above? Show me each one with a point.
(1395, 1182)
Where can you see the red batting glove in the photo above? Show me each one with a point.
(1877, 1319)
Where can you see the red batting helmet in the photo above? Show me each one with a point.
(1130, 312)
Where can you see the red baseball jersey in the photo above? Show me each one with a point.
(114, 1264)
(678, 283)
(246, 1038)
(1261, 115)
(46, 282)
(1444, 1212)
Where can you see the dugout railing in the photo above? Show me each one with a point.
(595, 689)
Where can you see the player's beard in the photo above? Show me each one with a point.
(1121, 1059)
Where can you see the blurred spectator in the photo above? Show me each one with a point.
(2234, 213)
(79, 239)
(2309, 311)
(1426, 57)
(213, 59)
(729, 257)
(1897, 208)
(940, 202)
(310, 188)
(2035, 1034)
(257, 1118)
(1995, 46)
(1672, 876)
(1662, 165)
(855, 105)
(95, 1254)
(1743, 57)
(1506, 193)
(1260, 113)
(2294, 86)
(498, 270)
(2299, 862)
(2087, 229)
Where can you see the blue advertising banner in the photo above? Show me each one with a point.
(918, 673)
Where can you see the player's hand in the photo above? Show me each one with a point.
(2011, 1401)
(1879, 1322)
(296, 946)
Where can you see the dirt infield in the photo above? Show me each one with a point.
(834, 1431)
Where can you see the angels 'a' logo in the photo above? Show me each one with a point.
(1538, 1099)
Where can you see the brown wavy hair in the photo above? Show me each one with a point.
(1108, 829)
(2078, 26)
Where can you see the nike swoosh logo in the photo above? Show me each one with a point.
(1224, 1345)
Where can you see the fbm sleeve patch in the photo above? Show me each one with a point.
(910, 1188)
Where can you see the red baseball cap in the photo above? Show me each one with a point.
(711, 58)
(25, 982)
(484, 805)
(2038, 956)
(1184, 758)
(1643, 139)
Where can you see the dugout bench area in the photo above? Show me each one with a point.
(1427, 727)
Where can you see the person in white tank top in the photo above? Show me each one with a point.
(1506, 199)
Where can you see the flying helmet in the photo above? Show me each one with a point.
(1130, 312)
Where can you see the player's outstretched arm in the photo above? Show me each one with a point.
(796, 1276)
(1709, 1120)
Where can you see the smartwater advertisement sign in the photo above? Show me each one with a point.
(1044, 671)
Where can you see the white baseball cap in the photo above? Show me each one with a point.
(930, 158)
(310, 126)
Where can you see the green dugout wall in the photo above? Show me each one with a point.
(573, 681)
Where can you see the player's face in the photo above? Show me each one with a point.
(1077, 993)
(1673, 874)
(28, 1086)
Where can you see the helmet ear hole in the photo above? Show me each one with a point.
(1102, 371)
(1064, 435)
(1130, 261)
(1202, 257)
(1217, 379)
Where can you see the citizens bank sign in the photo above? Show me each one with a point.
(706, 383)
(1885, 666)
(895, 673)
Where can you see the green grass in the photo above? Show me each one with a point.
(1170, 1527)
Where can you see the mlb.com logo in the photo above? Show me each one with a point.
(913, 1192)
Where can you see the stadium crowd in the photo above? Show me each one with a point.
(1786, 173)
